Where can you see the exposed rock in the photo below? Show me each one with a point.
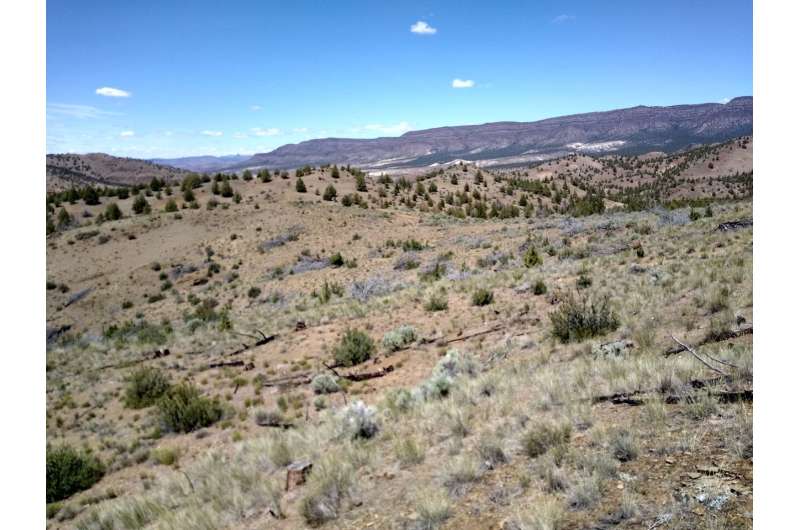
(296, 474)
(735, 225)
(615, 348)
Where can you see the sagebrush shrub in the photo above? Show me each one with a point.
(576, 320)
(399, 338)
(359, 420)
(145, 387)
(69, 471)
(324, 384)
(183, 409)
(355, 347)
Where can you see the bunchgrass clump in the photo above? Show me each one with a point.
(436, 302)
(542, 437)
(576, 320)
(433, 509)
(622, 446)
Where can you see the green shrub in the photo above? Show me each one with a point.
(330, 193)
(171, 206)
(576, 320)
(140, 205)
(539, 287)
(584, 281)
(482, 297)
(336, 260)
(113, 213)
(355, 347)
(254, 292)
(300, 186)
(540, 438)
(531, 257)
(412, 244)
(145, 387)
(69, 471)
(183, 409)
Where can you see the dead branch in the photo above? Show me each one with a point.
(224, 364)
(292, 380)
(259, 342)
(694, 353)
(716, 338)
(472, 335)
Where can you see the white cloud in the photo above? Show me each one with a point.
(127, 134)
(112, 92)
(76, 111)
(300, 129)
(422, 28)
(560, 19)
(272, 131)
(724, 100)
(212, 133)
(239, 135)
(463, 83)
(256, 108)
(398, 128)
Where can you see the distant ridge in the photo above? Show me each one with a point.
(633, 130)
(202, 163)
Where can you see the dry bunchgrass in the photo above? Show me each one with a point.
(487, 415)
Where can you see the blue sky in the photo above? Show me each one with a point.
(165, 79)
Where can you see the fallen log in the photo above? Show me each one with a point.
(292, 380)
(364, 376)
(472, 335)
(227, 364)
(156, 354)
(630, 398)
(735, 225)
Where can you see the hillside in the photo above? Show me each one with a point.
(68, 170)
(635, 130)
(405, 337)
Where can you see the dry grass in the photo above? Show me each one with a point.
(513, 406)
